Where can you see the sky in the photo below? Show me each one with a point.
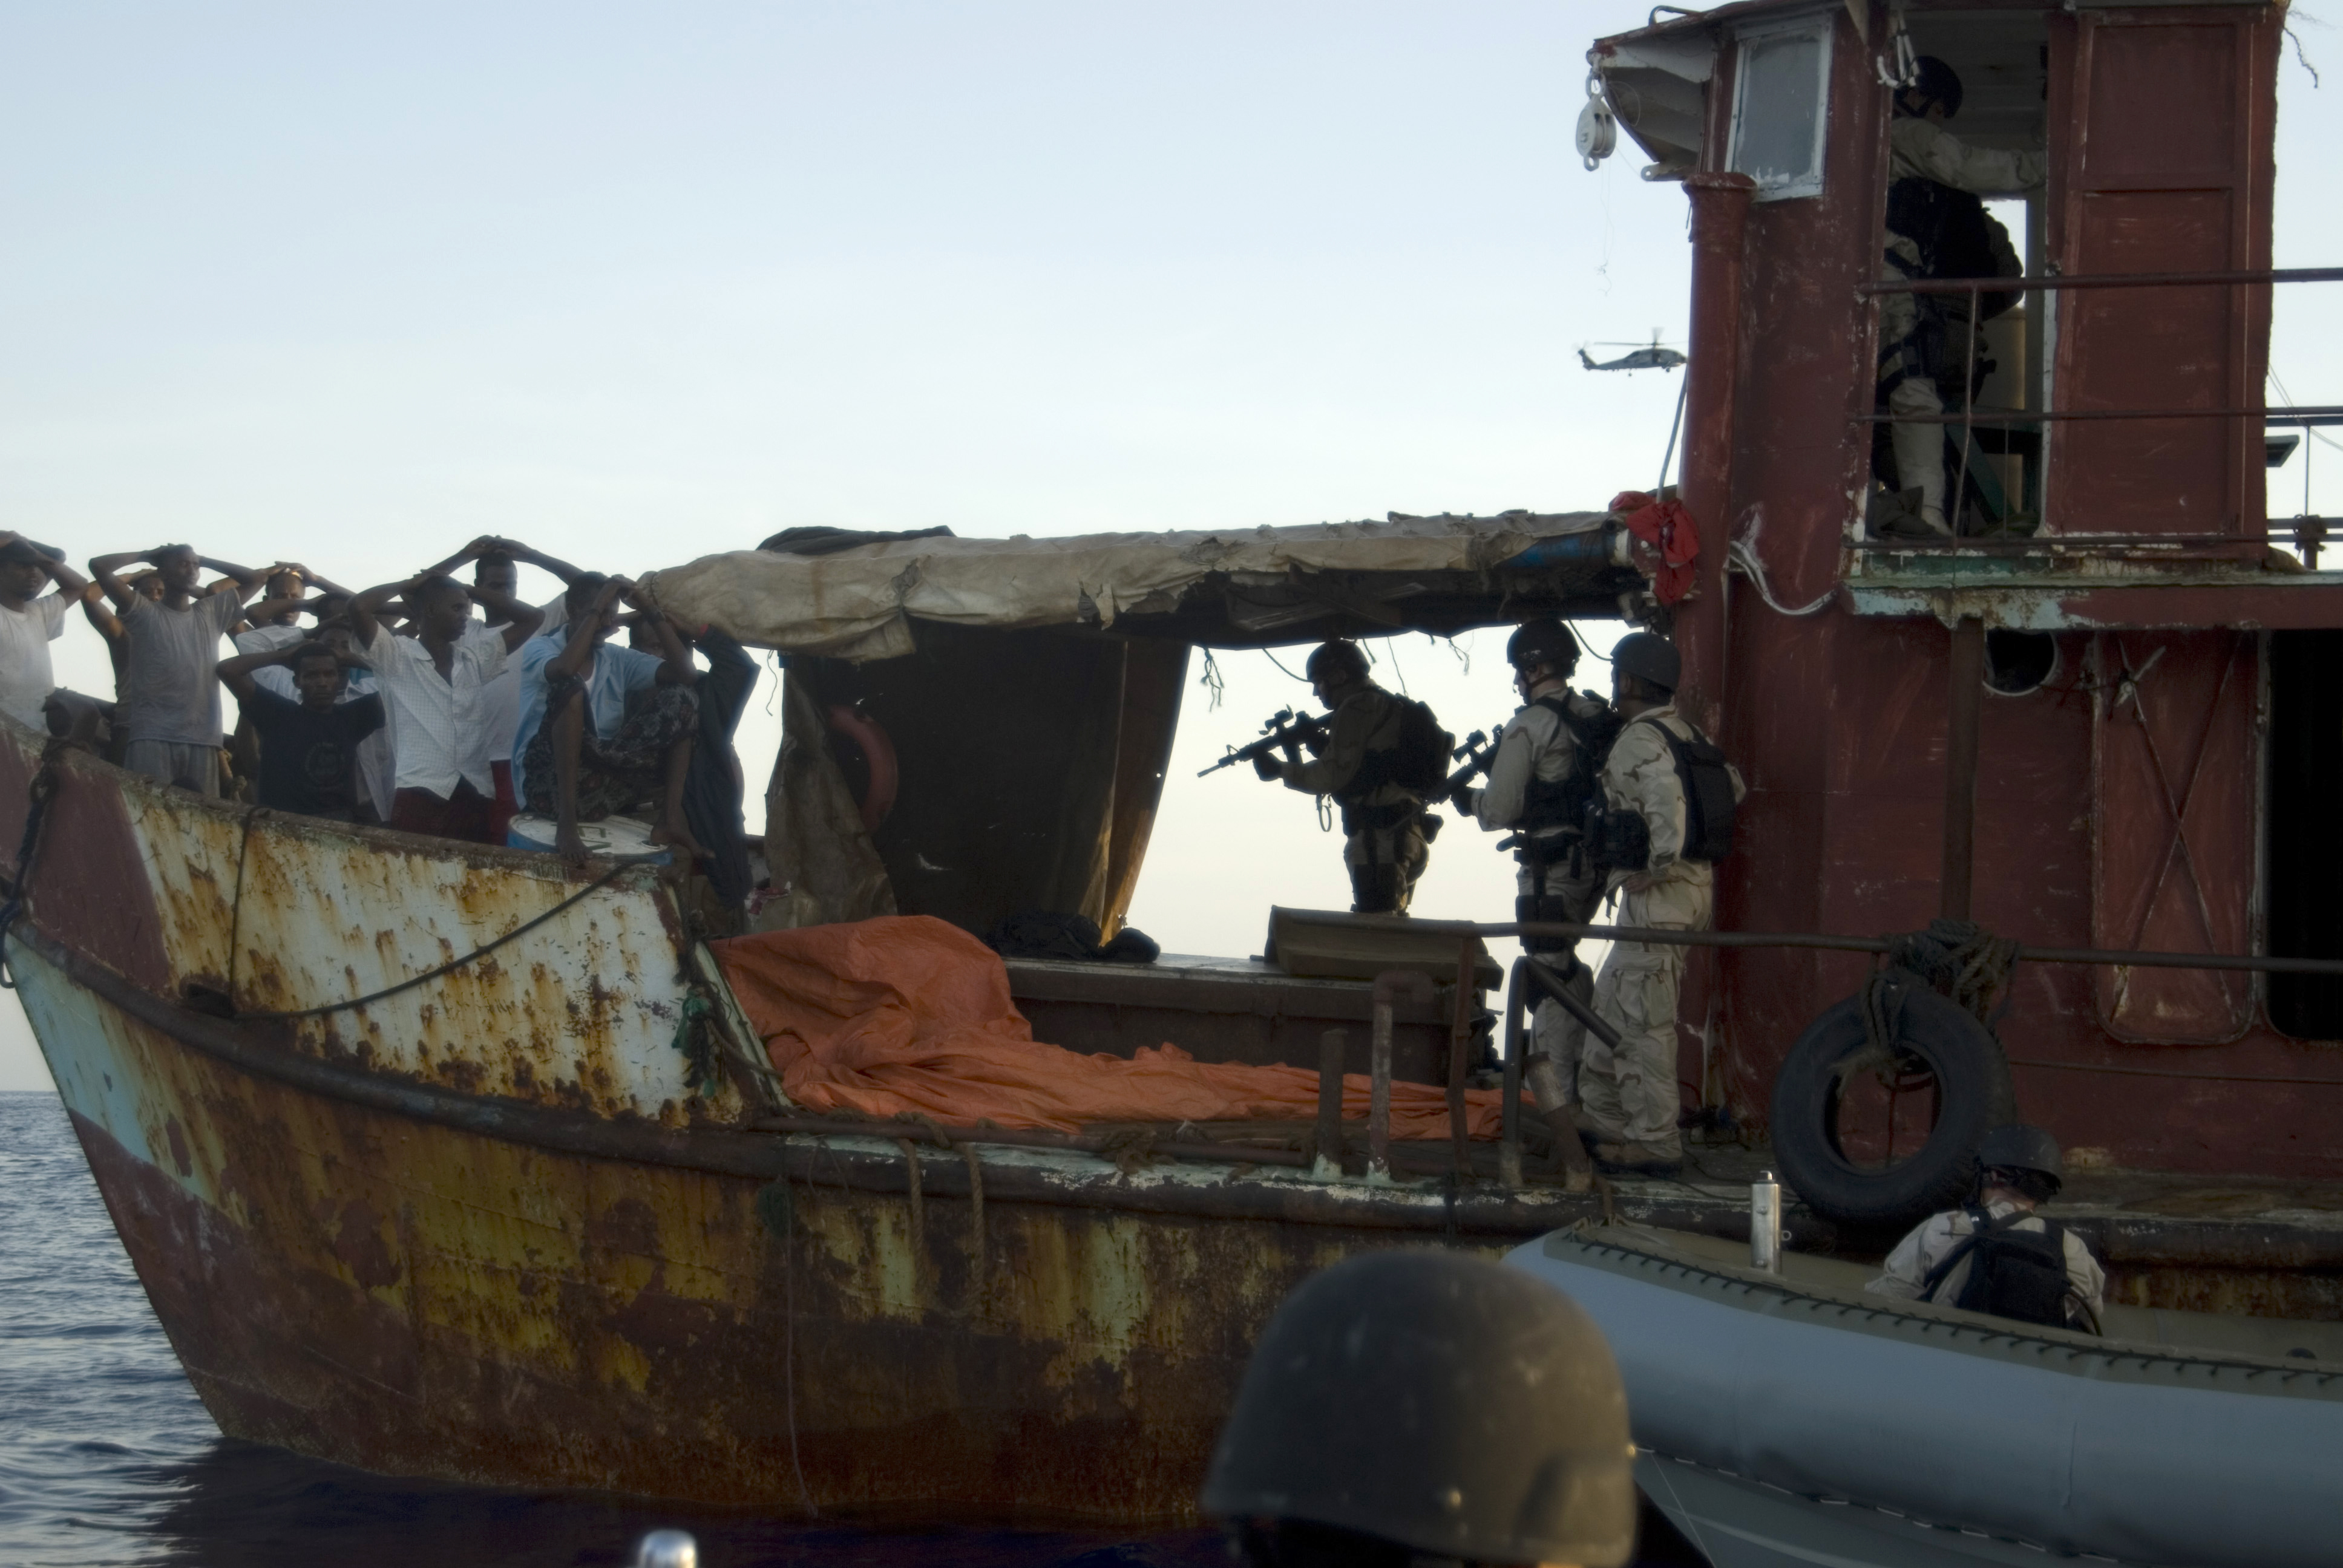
(350, 285)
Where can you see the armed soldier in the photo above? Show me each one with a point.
(1542, 780)
(1669, 798)
(1379, 755)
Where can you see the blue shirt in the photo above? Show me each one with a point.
(616, 674)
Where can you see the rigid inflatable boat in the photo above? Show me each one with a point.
(1791, 1419)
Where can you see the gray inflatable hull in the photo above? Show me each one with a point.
(1806, 1391)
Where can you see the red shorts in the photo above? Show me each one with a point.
(467, 814)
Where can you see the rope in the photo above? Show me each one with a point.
(624, 863)
(43, 789)
(1958, 959)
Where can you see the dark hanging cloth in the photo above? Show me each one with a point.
(711, 791)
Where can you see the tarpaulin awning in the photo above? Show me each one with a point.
(856, 601)
(909, 1014)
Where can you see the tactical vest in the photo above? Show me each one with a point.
(2012, 1273)
(1416, 761)
(1621, 840)
(1953, 232)
(1561, 803)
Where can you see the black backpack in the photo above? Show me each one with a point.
(1954, 233)
(1419, 762)
(2018, 1274)
(1708, 795)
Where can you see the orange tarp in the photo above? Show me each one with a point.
(909, 1014)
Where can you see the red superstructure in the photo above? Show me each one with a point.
(2156, 739)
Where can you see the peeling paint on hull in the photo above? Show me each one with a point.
(417, 1299)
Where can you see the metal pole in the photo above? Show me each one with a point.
(1389, 986)
(1460, 1037)
(1556, 987)
(1327, 1163)
(1509, 1136)
(1965, 700)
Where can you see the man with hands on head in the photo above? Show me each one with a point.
(169, 700)
(604, 729)
(308, 744)
(433, 688)
(31, 620)
(496, 565)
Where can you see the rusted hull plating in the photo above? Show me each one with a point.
(415, 1298)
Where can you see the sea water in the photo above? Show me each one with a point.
(107, 1457)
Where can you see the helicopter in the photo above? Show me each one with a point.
(1650, 356)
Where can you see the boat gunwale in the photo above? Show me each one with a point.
(1618, 1251)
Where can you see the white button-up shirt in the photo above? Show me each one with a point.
(441, 732)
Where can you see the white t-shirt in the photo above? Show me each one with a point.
(27, 678)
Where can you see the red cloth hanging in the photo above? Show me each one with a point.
(1668, 530)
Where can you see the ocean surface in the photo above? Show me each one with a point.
(106, 1457)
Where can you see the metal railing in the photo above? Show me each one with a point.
(1970, 418)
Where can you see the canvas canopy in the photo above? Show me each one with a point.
(1226, 587)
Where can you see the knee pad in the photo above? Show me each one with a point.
(1535, 907)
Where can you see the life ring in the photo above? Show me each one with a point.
(1931, 1035)
(853, 726)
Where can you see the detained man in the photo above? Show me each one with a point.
(604, 730)
(434, 692)
(308, 745)
(30, 621)
(495, 565)
(169, 691)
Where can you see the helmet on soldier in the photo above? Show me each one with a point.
(1418, 1401)
(1649, 658)
(2018, 1147)
(1337, 663)
(1547, 642)
(1937, 82)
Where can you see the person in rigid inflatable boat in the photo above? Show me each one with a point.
(1998, 1255)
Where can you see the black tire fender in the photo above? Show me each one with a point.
(1972, 1075)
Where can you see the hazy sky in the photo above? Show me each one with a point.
(637, 284)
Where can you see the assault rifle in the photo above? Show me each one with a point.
(1476, 752)
(1286, 732)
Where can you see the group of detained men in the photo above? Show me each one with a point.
(430, 705)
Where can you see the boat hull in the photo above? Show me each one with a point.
(2122, 1447)
(412, 1297)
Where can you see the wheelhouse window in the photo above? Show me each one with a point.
(1780, 102)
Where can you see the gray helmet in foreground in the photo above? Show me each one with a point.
(1546, 641)
(1649, 657)
(1446, 1403)
(2018, 1147)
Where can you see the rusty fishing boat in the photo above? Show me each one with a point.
(453, 1161)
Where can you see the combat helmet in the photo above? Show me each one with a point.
(1336, 662)
(2018, 1147)
(1443, 1404)
(1936, 82)
(1545, 641)
(1648, 657)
